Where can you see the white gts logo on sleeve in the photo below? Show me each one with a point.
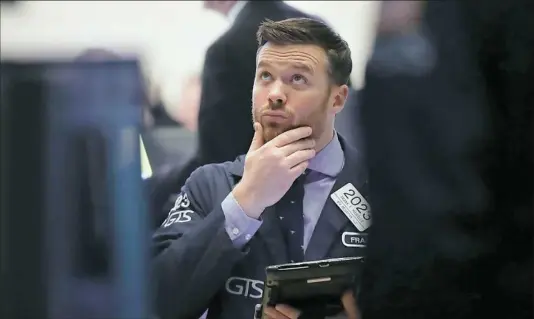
(180, 213)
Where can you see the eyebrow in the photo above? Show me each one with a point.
(295, 65)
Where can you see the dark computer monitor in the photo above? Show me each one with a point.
(74, 229)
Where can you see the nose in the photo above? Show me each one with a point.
(277, 95)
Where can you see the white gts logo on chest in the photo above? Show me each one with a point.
(249, 288)
(353, 239)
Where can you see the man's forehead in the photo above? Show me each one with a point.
(299, 56)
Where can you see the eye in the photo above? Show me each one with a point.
(299, 79)
(265, 76)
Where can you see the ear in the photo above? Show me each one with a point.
(340, 97)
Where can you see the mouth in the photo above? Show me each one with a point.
(275, 114)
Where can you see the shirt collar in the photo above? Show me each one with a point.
(236, 9)
(330, 160)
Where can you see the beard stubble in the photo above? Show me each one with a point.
(315, 120)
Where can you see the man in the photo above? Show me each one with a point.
(224, 130)
(273, 205)
(452, 228)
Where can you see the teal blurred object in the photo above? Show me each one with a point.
(74, 225)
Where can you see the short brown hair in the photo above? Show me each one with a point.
(314, 32)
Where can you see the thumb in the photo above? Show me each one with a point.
(349, 303)
(257, 140)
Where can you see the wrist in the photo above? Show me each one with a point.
(246, 200)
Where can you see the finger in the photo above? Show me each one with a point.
(297, 170)
(349, 304)
(272, 313)
(257, 140)
(291, 136)
(307, 143)
(299, 157)
(288, 311)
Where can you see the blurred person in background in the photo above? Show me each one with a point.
(224, 128)
(157, 117)
(447, 114)
(169, 147)
(272, 206)
(156, 113)
(186, 110)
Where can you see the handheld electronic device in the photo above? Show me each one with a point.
(313, 287)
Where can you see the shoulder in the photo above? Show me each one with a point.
(355, 156)
(243, 31)
(204, 187)
(208, 181)
(207, 176)
(229, 50)
(218, 47)
(275, 10)
(208, 185)
(239, 41)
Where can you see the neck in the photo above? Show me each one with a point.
(324, 140)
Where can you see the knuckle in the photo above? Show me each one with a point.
(249, 158)
(285, 163)
(299, 155)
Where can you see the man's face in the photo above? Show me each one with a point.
(292, 89)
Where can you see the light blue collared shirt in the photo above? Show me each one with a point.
(324, 168)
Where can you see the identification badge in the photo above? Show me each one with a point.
(351, 239)
(353, 205)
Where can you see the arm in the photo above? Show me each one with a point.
(161, 186)
(238, 225)
(196, 249)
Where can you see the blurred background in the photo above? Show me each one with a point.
(159, 31)
(171, 56)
